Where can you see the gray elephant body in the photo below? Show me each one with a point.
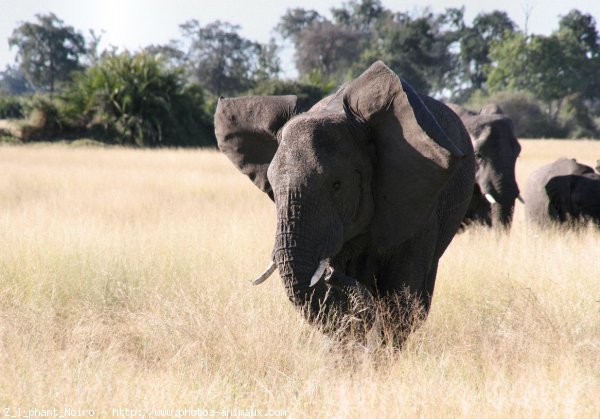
(496, 150)
(563, 192)
(372, 182)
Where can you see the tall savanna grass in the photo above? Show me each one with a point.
(124, 284)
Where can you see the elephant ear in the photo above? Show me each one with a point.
(415, 157)
(246, 130)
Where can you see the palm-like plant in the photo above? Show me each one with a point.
(138, 99)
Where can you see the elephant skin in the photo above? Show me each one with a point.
(370, 185)
(563, 192)
(496, 150)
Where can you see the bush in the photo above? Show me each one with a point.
(45, 114)
(137, 100)
(41, 119)
(529, 120)
(577, 118)
(11, 108)
(308, 94)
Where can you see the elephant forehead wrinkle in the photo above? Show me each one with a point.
(298, 177)
(299, 126)
(316, 128)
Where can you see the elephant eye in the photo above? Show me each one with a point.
(337, 185)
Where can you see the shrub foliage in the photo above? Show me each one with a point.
(137, 100)
(11, 108)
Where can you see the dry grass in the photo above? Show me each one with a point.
(123, 285)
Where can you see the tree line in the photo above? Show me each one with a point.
(165, 94)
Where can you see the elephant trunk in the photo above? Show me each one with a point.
(502, 213)
(303, 238)
(296, 275)
(504, 189)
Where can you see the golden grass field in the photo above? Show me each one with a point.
(124, 285)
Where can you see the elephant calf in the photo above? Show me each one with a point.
(370, 186)
(496, 151)
(563, 192)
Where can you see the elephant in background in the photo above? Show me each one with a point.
(564, 191)
(496, 151)
(370, 186)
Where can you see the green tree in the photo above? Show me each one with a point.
(447, 76)
(508, 69)
(581, 28)
(219, 59)
(476, 41)
(47, 51)
(295, 21)
(269, 64)
(415, 48)
(553, 71)
(561, 70)
(578, 33)
(360, 15)
(328, 48)
(362, 31)
(543, 65)
(321, 46)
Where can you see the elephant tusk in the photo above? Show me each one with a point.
(521, 200)
(490, 198)
(267, 273)
(319, 272)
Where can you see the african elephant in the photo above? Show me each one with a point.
(496, 151)
(370, 185)
(563, 192)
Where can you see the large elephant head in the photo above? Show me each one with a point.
(363, 167)
(496, 151)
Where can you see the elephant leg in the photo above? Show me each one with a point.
(354, 305)
(373, 320)
(350, 286)
(407, 284)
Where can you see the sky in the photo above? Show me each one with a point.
(132, 24)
